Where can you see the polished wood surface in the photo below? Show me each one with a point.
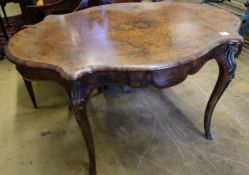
(123, 36)
(136, 44)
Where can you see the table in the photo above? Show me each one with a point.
(136, 44)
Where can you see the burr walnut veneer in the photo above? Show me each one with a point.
(135, 44)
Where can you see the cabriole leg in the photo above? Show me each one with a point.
(79, 95)
(227, 67)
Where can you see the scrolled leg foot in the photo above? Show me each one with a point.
(93, 171)
(79, 95)
(227, 67)
(208, 135)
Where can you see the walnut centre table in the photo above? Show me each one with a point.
(134, 44)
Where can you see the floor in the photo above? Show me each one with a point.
(145, 132)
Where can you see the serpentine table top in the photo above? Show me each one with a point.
(134, 44)
(129, 37)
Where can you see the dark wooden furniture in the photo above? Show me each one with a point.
(117, 1)
(3, 29)
(135, 44)
(3, 4)
(33, 13)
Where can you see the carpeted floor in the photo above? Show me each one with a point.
(16, 24)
